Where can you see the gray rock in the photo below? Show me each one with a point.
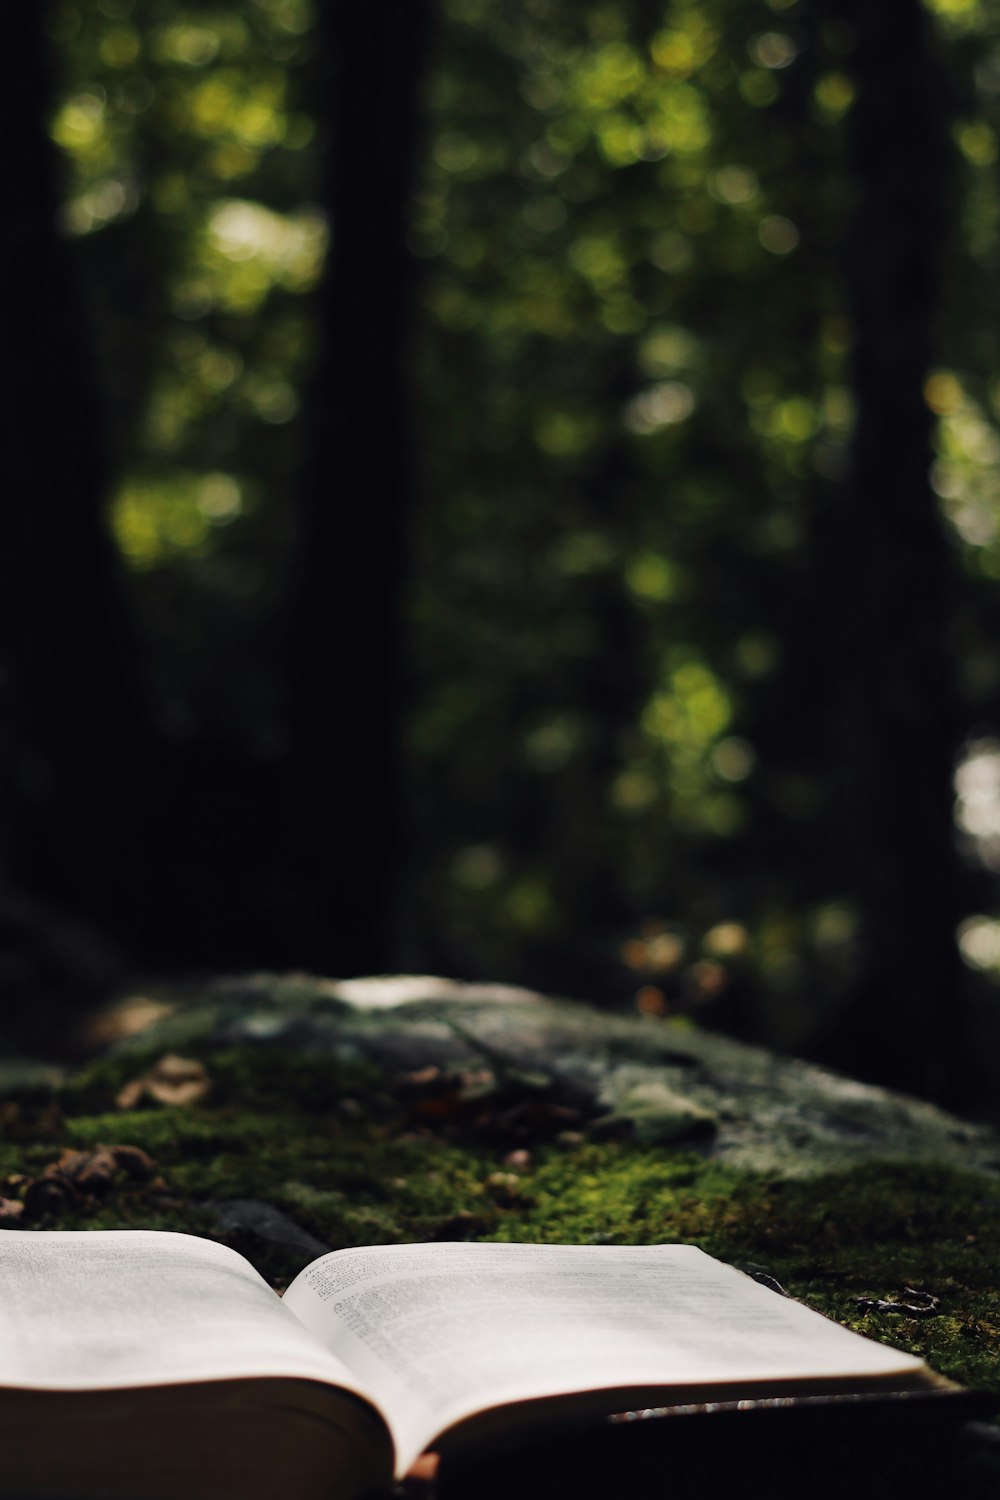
(659, 1113)
(252, 1217)
(673, 1084)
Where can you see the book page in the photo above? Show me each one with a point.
(104, 1309)
(440, 1332)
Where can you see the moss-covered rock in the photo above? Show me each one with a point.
(772, 1114)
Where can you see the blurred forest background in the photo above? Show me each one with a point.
(510, 488)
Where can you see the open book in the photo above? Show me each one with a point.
(152, 1364)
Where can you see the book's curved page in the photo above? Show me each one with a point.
(441, 1332)
(106, 1309)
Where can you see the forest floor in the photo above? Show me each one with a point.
(283, 1150)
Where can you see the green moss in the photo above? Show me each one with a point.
(614, 1193)
(253, 1077)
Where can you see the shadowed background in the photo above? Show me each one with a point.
(509, 490)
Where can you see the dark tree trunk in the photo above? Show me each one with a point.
(607, 689)
(344, 670)
(163, 846)
(74, 681)
(889, 575)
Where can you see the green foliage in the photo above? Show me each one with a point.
(631, 363)
(590, 259)
(189, 186)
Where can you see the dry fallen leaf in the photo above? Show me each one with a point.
(82, 1175)
(174, 1081)
(124, 1018)
(90, 1172)
(134, 1162)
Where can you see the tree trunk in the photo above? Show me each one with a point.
(344, 669)
(889, 576)
(74, 682)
